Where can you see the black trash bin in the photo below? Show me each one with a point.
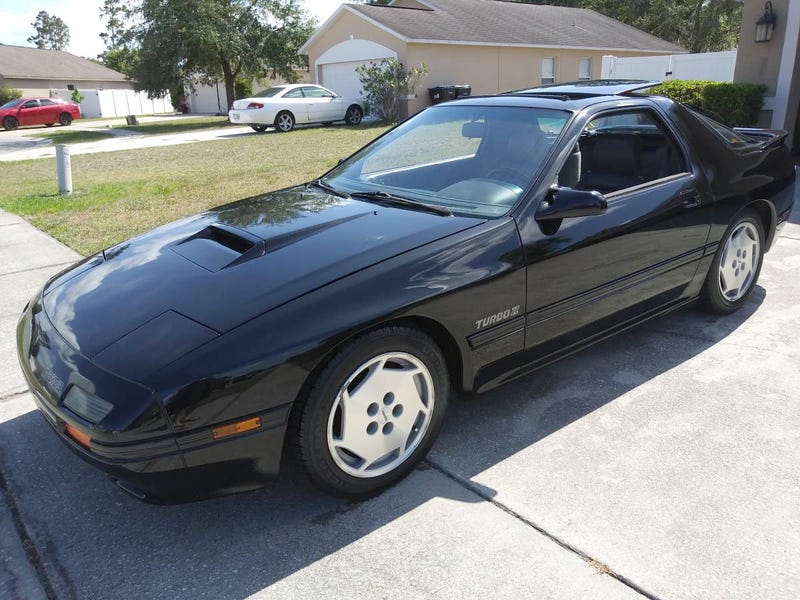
(442, 93)
(463, 91)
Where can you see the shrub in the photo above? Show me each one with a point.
(735, 104)
(7, 94)
(77, 97)
(242, 88)
(386, 84)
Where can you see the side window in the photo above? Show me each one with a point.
(315, 92)
(548, 70)
(622, 150)
(31, 104)
(46, 102)
(585, 69)
(295, 93)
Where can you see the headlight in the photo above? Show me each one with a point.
(86, 405)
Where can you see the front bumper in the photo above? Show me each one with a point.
(134, 444)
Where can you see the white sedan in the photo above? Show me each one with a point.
(283, 106)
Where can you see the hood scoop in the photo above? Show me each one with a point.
(219, 246)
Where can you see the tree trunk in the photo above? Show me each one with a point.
(230, 80)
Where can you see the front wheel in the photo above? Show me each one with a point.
(354, 115)
(284, 121)
(736, 266)
(65, 119)
(10, 123)
(374, 412)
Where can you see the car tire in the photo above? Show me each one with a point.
(259, 128)
(354, 115)
(284, 121)
(366, 378)
(65, 119)
(10, 123)
(737, 264)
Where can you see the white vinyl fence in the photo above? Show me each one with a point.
(117, 103)
(709, 66)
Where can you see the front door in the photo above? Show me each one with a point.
(29, 113)
(323, 105)
(295, 102)
(587, 275)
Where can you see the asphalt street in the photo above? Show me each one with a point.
(664, 463)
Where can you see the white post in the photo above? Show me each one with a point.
(63, 170)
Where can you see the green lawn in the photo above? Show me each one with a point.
(178, 125)
(74, 136)
(121, 194)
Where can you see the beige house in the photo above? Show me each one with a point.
(36, 72)
(492, 45)
(775, 63)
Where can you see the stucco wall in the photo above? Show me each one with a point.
(39, 87)
(760, 63)
(348, 26)
(493, 69)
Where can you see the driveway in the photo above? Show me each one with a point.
(664, 463)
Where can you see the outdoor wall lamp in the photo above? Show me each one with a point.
(766, 24)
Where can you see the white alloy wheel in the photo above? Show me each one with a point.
(739, 261)
(380, 415)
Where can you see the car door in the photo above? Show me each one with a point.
(49, 111)
(295, 101)
(590, 275)
(28, 113)
(322, 105)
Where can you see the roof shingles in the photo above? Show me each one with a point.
(19, 62)
(500, 22)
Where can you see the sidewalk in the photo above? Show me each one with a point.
(28, 258)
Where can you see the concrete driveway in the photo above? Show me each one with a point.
(664, 463)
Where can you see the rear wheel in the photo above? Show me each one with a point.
(259, 128)
(737, 265)
(65, 119)
(284, 121)
(10, 123)
(354, 115)
(373, 412)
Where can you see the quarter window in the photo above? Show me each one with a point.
(585, 69)
(548, 70)
(315, 92)
(622, 150)
(295, 93)
(46, 102)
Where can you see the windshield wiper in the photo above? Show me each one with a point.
(391, 199)
(328, 188)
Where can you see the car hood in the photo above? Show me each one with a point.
(218, 269)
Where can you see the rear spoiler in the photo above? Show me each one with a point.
(768, 137)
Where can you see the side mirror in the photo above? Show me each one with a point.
(566, 203)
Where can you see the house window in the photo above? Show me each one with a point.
(585, 69)
(548, 70)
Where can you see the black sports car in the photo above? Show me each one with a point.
(471, 244)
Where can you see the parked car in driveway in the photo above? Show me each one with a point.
(38, 111)
(284, 106)
(472, 244)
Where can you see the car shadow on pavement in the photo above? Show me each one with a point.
(97, 542)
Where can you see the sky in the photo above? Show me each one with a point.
(83, 19)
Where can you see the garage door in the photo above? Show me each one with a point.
(342, 78)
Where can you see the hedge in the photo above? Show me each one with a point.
(7, 94)
(735, 104)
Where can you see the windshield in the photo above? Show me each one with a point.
(269, 93)
(474, 160)
(11, 104)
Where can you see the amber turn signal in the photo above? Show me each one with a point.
(238, 427)
(78, 436)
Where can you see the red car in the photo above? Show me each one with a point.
(38, 111)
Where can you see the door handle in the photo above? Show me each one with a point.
(691, 199)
